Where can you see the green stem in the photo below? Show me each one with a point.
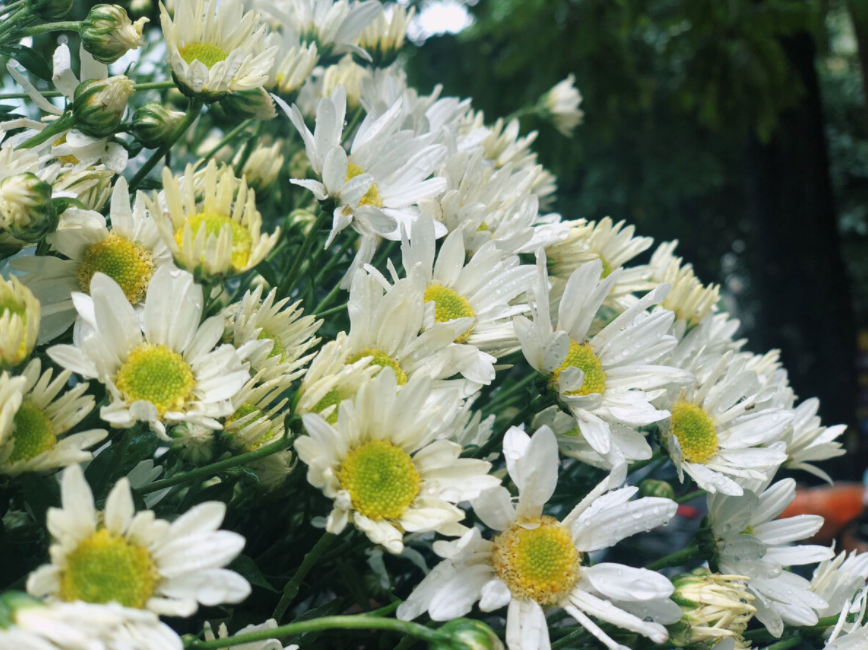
(675, 559)
(193, 109)
(12, 5)
(352, 125)
(216, 468)
(325, 623)
(290, 591)
(288, 282)
(499, 399)
(575, 635)
(641, 464)
(229, 137)
(63, 123)
(13, 22)
(690, 496)
(329, 312)
(248, 149)
(335, 259)
(783, 644)
(61, 26)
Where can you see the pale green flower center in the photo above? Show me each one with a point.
(538, 563)
(581, 356)
(372, 196)
(695, 432)
(213, 224)
(380, 359)
(449, 305)
(32, 433)
(277, 349)
(243, 411)
(156, 374)
(14, 307)
(332, 398)
(381, 479)
(106, 568)
(205, 52)
(124, 261)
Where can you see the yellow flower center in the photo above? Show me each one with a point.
(381, 479)
(695, 432)
(333, 397)
(205, 52)
(32, 433)
(539, 563)
(277, 350)
(372, 196)
(107, 568)
(448, 305)
(581, 356)
(156, 374)
(214, 224)
(124, 261)
(380, 359)
(69, 159)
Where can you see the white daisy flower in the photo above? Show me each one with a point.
(290, 333)
(751, 542)
(808, 441)
(383, 38)
(838, 580)
(504, 146)
(703, 344)
(294, 63)
(19, 322)
(386, 464)
(34, 440)
(717, 424)
(689, 299)
(132, 558)
(162, 369)
(561, 106)
(129, 251)
(211, 48)
(482, 288)
(268, 644)
(607, 380)
(79, 626)
(92, 185)
(218, 234)
(536, 561)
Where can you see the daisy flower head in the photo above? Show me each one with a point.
(714, 607)
(483, 287)
(536, 561)
(808, 441)
(217, 235)
(384, 37)
(607, 380)
(717, 425)
(20, 316)
(162, 368)
(129, 251)
(750, 542)
(211, 47)
(34, 625)
(257, 416)
(386, 464)
(34, 440)
(289, 331)
(838, 580)
(293, 65)
(134, 559)
(689, 299)
(561, 106)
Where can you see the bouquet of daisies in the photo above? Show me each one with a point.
(295, 356)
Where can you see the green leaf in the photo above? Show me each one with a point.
(267, 271)
(29, 58)
(40, 493)
(246, 568)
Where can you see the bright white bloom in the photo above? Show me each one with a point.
(217, 232)
(535, 561)
(751, 542)
(269, 644)
(561, 106)
(211, 47)
(19, 322)
(134, 559)
(807, 440)
(607, 380)
(80, 626)
(129, 252)
(162, 369)
(703, 344)
(838, 580)
(717, 425)
(386, 465)
(34, 440)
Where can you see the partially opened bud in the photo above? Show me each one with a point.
(468, 634)
(154, 124)
(561, 106)
(107, 33)
(714, 607)
(249, 104)
(26, 211)
(262, 167)
(99, 104)
(19, 322)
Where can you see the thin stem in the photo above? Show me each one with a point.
(193, 109)
(229, 137)
(61, 26)
(641, 464)
(783, 644)
(502, 397)
(675, 559)
(63, 123)
(288, 282)
(333, 261)
(290, 591)
(329, 312)
(352, 125)
(575, 635)
(216, 468)
(12, 23)
(12, 5)
(325, 623)
(690, 496)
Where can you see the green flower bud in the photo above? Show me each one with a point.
(98, 105)
(249, 104)
(108, 33)
(653, 488)
(468, 634)
(26, 211)
(154, 124)
(50, 9)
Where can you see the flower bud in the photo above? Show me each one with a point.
(468, 634)
(154, 124)
(26, 211)
(98, 105)
(19, 322)
(249, 104)
(384, 37)
(652, 488)
(107, 33)
(50, 9)
(262, 167)
(714, 607)
(561, 106)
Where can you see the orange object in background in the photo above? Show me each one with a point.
(839, 504)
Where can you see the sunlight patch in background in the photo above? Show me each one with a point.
(439, 17)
